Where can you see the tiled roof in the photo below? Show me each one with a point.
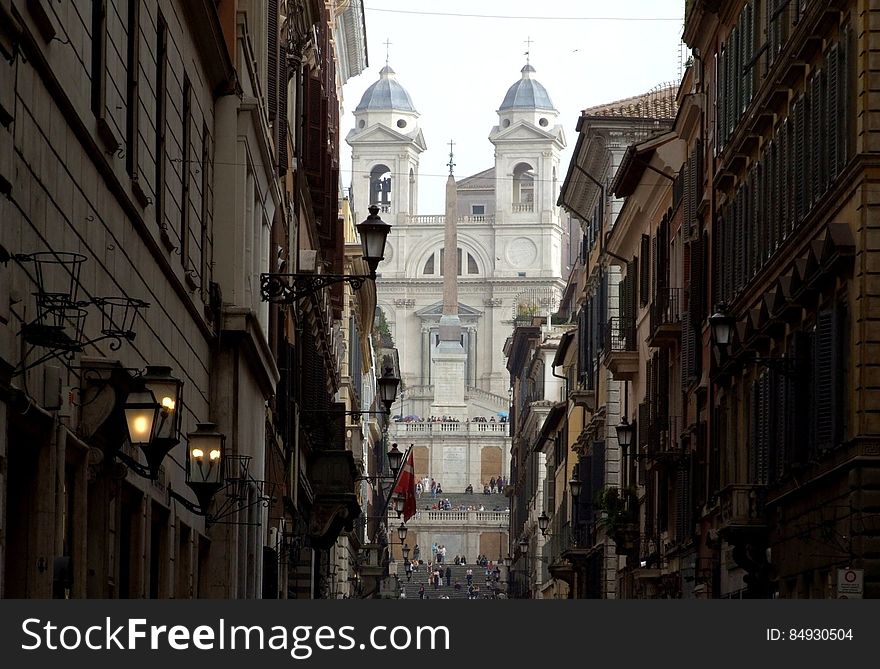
(659, 103)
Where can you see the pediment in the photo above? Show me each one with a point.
(522, 131)
(436, 311)
(382, 134)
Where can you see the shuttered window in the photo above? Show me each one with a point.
(759, 446)
(828, 378)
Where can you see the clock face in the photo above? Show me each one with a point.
(521, 252)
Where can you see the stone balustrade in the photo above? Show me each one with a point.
(429, 428)
(489, 518)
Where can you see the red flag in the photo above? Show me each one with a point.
(406, 486)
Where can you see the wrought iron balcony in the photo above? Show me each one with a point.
(621, 354)
(666, 317)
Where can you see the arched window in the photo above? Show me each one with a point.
(434, 264)
(523, 184)
(380, 187)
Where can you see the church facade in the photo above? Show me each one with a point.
(509, 256)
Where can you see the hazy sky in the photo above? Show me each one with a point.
(458, 68)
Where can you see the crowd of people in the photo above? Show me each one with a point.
(438, 575)
(449, 419)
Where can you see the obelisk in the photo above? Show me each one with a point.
(450, 359)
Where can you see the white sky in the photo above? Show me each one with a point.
(457, 69)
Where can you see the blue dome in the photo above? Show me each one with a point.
(386, 95)
(527, 93)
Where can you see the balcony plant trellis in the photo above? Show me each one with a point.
(60, 314)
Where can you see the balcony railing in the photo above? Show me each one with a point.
(620, 335)
(493, 518)
(523, 208)
(440, 219)
(429, 428)
(620, 351)
(666, 317)
(663, 436)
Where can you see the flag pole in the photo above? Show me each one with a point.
(384, 513)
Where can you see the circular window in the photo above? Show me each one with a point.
(401, 123)
(505, 123)
(543, 122)
(362, 123)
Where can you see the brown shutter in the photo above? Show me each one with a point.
(272, 60)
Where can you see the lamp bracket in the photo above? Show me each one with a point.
(134, 465)
(288, 288)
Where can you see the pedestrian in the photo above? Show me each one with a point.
(422, 591)
(492, 485)
(417, 553)
(448, 575)
(408, 568)
(470, 576)
(434, 552)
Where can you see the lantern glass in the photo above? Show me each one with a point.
(167, 392)
(575, 485)
(395, 459)
(624, 433)
(722, 327)
(141, 413)
(543, 522)
(524, 547)
(401, 532)
(508, 561)
(387, 386)
(373, 232)
(406, 551)
(205, 463)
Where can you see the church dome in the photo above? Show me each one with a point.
(527, 93)
(386, 94)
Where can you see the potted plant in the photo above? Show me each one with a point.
(619, 516)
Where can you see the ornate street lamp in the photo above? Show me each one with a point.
(405, 551)
(387, 386)
(287, 288)
(575, 485)
(152, 413)
(722, 324)
(524, 547)
(625, 431)
(373, 232)
(166, 392)
(401, 532)
(395, 460)
(508, 560)
(205, 464)
(543, 522)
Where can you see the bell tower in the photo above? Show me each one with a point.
(528, 142)
(385, 146)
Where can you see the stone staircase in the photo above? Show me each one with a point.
(459, 573)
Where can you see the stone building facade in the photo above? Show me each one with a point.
(148, 165)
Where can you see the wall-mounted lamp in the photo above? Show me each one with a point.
(205, 464)
(288, 288)
(152, 414)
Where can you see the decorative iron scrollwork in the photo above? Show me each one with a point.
(287, 288)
